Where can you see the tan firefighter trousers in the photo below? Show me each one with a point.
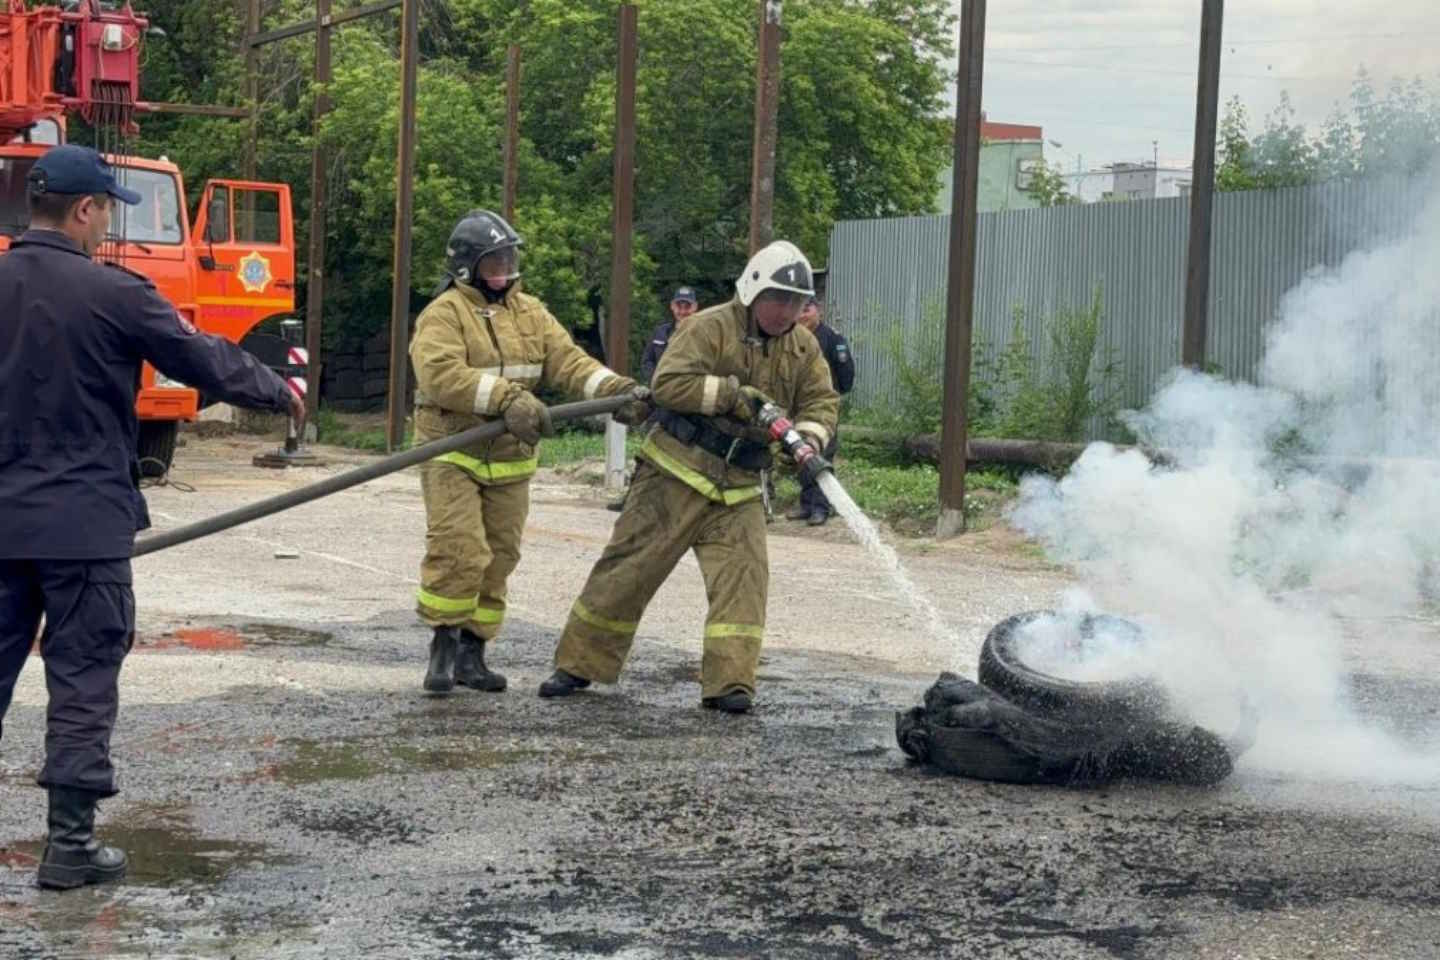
(472, 544)
(662, 518)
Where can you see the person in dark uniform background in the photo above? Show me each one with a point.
(73, 335)
(682, 305)
(813, 505)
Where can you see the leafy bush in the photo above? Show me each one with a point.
(1015, 393)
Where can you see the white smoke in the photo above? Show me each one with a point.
(1295, 536)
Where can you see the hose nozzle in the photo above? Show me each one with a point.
(807, 459)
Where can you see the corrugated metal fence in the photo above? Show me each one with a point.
(885, 273)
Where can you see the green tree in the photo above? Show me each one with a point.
(1396, 131)
(861, 132)
(1233, 169)
(1282, 155)
(1048, 186)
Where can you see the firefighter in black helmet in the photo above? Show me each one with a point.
(481, 234)
(480, 348)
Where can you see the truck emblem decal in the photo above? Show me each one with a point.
(255, 273)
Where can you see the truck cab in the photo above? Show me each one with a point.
(226, 271)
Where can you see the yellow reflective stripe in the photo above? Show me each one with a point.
(623, 627)
(282, 302)
(694, 479)
(487, 615)
(446, 604)
(735, 630)
(496, 470)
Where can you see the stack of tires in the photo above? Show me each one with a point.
(1025, 724)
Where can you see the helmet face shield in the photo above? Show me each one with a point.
(776, 311)
(478, 235)
(499, 267)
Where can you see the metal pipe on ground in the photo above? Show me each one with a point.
(351, 478)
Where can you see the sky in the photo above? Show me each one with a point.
(1114, 80)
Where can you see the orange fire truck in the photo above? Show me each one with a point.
(226, 270)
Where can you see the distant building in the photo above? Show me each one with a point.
(1009, 153)
(1128, 181)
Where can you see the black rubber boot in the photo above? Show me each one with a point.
(562, 684)
(440, 676)
(470, 669)
(736, 701)
(73, 857)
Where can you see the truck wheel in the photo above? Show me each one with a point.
(1005, 668)
(157, 446)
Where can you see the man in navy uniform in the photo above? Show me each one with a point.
(682, 305)
(73, 334)
(814, 507)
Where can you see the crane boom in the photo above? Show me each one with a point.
(81, 58)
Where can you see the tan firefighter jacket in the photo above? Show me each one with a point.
(692, 378)
(470, 355)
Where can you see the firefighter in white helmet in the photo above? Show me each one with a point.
(697, 485)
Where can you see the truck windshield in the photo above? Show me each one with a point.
(14, 214)
(155, 219)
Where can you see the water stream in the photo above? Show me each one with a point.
(939, 634)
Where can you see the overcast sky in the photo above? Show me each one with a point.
(1107, 77)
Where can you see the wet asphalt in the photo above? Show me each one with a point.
(277, 821)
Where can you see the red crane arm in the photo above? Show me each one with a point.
(83, 60)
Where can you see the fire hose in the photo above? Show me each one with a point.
(351, 478)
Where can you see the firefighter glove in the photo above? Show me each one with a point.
(637, 410)
(748, 403)
(526, 417)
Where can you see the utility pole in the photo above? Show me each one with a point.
(315, 285)
(512, 129)
(315, 279)
(617, 331)
(1202, 188)
(404, 210)
(767, 106)
(252, 90)
(960, 290)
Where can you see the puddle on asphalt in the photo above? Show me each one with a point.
(229, 639)
(319, 761)
(140, 915)
(315, 762)
(421, 758)
(162, 848)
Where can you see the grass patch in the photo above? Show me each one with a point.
(907, 497)
(571, 446)
(358, 431)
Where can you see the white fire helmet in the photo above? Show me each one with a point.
(779, 266)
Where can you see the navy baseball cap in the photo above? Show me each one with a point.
(684, 295)
(72, 170)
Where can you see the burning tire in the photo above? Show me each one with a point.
(967, 730)
(1090, 667)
